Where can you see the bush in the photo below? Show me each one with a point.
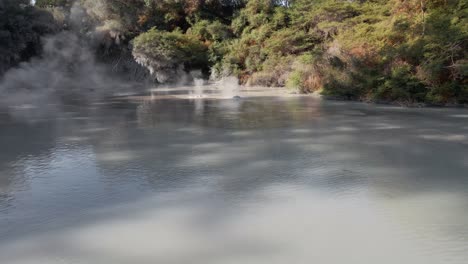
(295, 80)
(402, 85)
(164, 53)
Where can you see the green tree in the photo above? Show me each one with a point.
(165, 54)
(21, 29)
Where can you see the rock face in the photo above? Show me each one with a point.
(163, 70)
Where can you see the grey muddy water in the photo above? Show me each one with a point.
(269, 179)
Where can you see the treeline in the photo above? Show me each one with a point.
(409, 51)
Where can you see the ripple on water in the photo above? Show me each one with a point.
(261, 180)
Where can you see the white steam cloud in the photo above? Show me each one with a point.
(66, 71)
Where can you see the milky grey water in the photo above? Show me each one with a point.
(260, 180)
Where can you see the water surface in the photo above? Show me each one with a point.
(256, 180)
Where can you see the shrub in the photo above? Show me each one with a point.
(163, 53)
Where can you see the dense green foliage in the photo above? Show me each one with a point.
(21, 27)
(408, 51)
(163, 52)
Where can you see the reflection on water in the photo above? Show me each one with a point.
(264, 180)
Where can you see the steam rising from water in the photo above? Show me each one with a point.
(226, 88)
(229, 87)
(198, 90)
(65, 67)
(67, 71)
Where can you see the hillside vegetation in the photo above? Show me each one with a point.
(408, 51)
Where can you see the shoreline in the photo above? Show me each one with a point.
(212, 92)
(396, 103)
(215, 93)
